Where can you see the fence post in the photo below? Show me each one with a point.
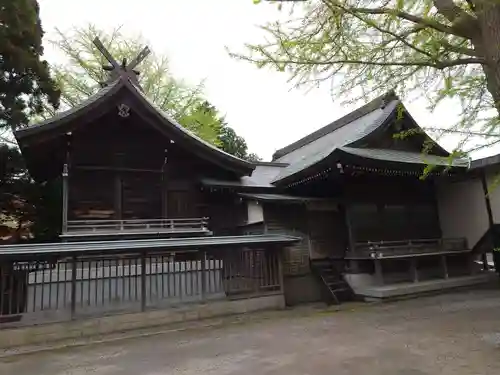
(203, 275)
(279, 255)
(143, 281)
(73, 288)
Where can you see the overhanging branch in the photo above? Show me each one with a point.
(430, 23)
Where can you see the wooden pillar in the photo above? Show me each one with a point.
(444, 265)
(203, 275)
(65, 175)
(490, 214)
(379, 272)
(73, 286)
(351, 247)
(143, 281)
(281, 277)
(414, 270)
(471, 263)
(164, 187)
(65, 184)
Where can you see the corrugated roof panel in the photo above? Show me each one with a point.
(151, 244)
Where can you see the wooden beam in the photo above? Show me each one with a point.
(139, 58)
(97, 42)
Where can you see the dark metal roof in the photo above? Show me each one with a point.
(405, 157)
(321, 147)
(104, 247)
(350, 117)
(164, 123)
(284, 198)
(485, 162)
(70, 114)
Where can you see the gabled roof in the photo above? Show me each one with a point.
(163, 122)
(347, 134)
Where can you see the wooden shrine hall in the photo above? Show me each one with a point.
(342, 212)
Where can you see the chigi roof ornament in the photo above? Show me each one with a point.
(125, 70)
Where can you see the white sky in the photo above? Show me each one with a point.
(260, 105)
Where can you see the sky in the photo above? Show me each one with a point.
(261, 105)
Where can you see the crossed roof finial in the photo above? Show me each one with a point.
(121, 70)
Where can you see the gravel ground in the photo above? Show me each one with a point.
(453, 334)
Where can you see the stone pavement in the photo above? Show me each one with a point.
(454, 334)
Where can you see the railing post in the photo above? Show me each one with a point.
(203, 275)
(65, 175)
(143, 281)
(73, 287)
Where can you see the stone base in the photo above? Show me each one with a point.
(402, 290)
(33, 335)
(302, 289)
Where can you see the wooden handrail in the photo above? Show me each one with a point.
(385, 248)
(182, 224)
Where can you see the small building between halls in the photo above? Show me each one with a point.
(347, 204)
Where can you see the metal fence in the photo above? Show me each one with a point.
(53, 290)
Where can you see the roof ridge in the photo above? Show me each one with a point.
(379, 102)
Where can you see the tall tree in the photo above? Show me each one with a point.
(25, 81)
(227, 139)
(82, 74)
(447, 48)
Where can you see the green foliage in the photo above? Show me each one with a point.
(227, 139)
(232, 143)
(25, 82)
(365, 48)
(82, 75)
(26, 206)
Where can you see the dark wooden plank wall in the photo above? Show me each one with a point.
(328, 234)
(117, 171)
(392, 208)
(226, 212)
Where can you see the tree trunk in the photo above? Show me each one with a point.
(488, 43)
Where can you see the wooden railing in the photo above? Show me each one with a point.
(387, 249)
(44, 289)
(138, 225)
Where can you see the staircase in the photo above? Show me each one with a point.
(329, 271)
